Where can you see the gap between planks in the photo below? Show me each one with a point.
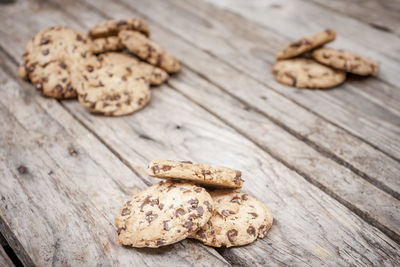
(300, 137)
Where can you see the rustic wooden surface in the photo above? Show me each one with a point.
(327, 163)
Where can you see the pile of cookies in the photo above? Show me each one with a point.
(323, 68)
(110, 70)
(180, 208)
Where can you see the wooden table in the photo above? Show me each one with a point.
(326, 162)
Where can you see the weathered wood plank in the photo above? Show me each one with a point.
(352, 34)
(201, 137)
(61, 189)
(4, 259)
(212, 29)
(179, 137)
(298, 121)
(382, 15)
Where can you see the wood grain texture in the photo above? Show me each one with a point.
(382, 15)
(213, 30)
(160, 131)
(4, 259)
(320, 229)
(62, 189)
(304, 124)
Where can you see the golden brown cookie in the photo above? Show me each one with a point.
(49, 58)
(238, 219)
(149, 51)
(345, 60)
(306, 43)
(113, 27)
(307, 73)
(111, 89)
(163, 214)
(205, 174)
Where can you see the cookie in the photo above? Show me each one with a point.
(200, 173)
(113, 27)
(106, 44)
(110, 89)
(306, 43)
(22, 72)
(163, 214)
(149, 51)
(136, 68)
(237, 219)
(49, 58)
(306, 73)
(345, 60)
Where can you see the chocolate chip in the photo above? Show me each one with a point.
(244, 196)
(31, 68)
(89, 68)
(231, 234)
(45, 79)
(205, 172)
(64, 80)
(198, 190)
(160, 242)
(225, 213)
(155, 169)
(235, 199)
(62, 65)
(255, 215)
(194, 202)
(125, 212)
(209, 207)
(119, 230)
(200, 211)
(45, 52)
(296, 44)
(44, 41)
(150, 216)
(69, 87)
(188, 225)
(166, 168)
(166, 226)
(179, 212)
(201, 234)
(251, 231)
(59, 87)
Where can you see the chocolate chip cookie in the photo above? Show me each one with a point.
(199, 173)
(49, 58)
(163, 214)
(110, 89)
(306, 43)
(347, 61)
(149, 51)
(113, 27)
(237, 219)
(307, 73)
